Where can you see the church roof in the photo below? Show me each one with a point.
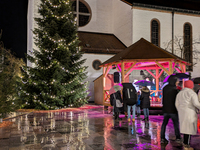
(100, 43)
(181, 4)
(143, 50)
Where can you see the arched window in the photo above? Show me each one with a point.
(155, 32)
(187, 52)
(82, 11)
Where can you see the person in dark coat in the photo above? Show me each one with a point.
(145, 102)
(169, 109)
(138, 105)
(117, 110)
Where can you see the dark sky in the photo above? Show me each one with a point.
(183, 4)
(13, 22)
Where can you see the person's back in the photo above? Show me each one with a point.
(145, 102)
(169, 96)
(169, 109)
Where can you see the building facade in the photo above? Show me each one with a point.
(128, 23)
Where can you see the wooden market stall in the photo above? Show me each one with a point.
(141, 55)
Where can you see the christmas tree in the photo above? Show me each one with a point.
(56, 80)
(10, 74)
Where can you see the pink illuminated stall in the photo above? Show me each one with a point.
(141, 55)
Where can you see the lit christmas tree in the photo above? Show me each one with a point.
(56, 80)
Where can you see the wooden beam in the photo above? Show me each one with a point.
(179, 71)
(162, 67)
(170, 67)
(184, 68)
(119, 68)
(147, 60)
(129, 72)
(130, 67)
(160, 73)
(107, 70)
(150, 73)
(157, 81)
(122, 68)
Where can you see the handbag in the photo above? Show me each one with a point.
(118, 102)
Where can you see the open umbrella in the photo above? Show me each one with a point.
(196, 80)
(178, 75)
(182, 76)
(115, 88)
(144, 83)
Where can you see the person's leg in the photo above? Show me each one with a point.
(186, 139)
(113, 110)
(145, 112)
(164, 124)
(139, 110)
(125, 109)
(129, 112)
(133, 115)
(176, 125)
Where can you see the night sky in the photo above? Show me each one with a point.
(13, 22)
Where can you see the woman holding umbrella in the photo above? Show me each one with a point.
(115, 94)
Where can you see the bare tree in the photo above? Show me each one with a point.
(186, 51)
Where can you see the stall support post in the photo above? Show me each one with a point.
(122, 67)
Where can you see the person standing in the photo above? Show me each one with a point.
(169, 110)
(138, 105)
(130, 98)
(113, 101)
(187, 104)
(145, 102)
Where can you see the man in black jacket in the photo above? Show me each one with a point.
(169, 109)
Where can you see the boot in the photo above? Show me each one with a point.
(147, 118)
(118, 118)
(125, 114)
(138, 115)
(144, 119)
(187, 147)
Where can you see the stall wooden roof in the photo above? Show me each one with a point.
(143, 50)
(100, 43)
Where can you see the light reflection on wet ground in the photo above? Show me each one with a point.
(86, 130)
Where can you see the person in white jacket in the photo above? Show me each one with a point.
(187, 104)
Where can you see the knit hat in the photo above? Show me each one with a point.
(189, 84)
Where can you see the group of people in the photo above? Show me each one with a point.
(180, 104)
(131, 99)
(182, 107)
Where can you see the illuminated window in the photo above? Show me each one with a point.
(82, 11)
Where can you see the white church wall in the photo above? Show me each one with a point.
(122, 24)
(92, 73)
(101, 20)
(142, 25)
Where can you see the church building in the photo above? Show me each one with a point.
(106, 27)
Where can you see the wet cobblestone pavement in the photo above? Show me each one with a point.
(89, 129)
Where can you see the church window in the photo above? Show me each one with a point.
(187, 52)
(155, 29)
(82, 12)
(95, 64)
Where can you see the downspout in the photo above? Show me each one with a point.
(172, 32)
